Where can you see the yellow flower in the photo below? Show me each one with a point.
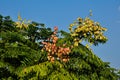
(74, 34)
(104, 29)
(76, 43)
(79, 19)
(71, 25)
(87, 46)
(19, 17)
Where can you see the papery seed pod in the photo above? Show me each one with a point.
(55, 28)
(64, 45)
(56, 38)
(52, 36)
(59, 54)
(58, 58)
(48, 54)
(53, 53)
(54, 32)
(48, 57)
(52, 59)
(67, 52)
(49, 50)
(54, 41)
(64, 60)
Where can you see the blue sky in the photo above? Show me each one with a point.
(63, 12)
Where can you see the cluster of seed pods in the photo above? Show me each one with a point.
(56, 52)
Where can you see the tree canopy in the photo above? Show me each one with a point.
(30, 51)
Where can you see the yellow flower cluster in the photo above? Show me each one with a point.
(22, 23)
(86, 29)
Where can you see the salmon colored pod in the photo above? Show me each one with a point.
(54, 32)
(55, 28)
(64, 60)
(44, 43)
(52, 59)
(64, 45)
(54, 41)
(56, 38)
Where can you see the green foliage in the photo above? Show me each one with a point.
(46, 70)
(19, 48)
(22, 58)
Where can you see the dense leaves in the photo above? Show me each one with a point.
(27, 50)
(20, 47)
